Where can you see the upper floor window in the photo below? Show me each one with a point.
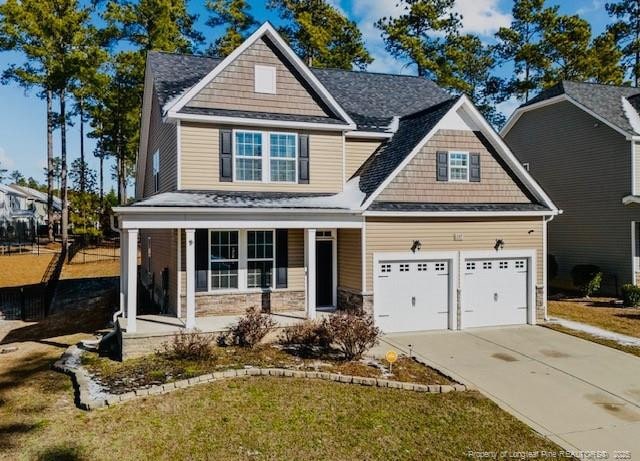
(248, 147)
(265, 79)
(265, 156)
(156, 171)
(458, 166)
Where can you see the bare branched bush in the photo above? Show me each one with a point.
(251, 328)
(352, 334)
(188, 345)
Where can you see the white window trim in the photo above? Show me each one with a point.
(449, 154)
(243, 264)
(266, 157)
(261, 87)
(155, 169)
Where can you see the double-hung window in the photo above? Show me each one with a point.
(248, 146)
(265, 156)
(282, 152)
(458, 166)
(224, 260)
(260, 259)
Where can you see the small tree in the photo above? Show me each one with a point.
(587, 278)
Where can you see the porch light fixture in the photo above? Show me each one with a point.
(499, 245)
(416, 246)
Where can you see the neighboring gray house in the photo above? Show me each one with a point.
(581, 142)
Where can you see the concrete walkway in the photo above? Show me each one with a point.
(581, 395)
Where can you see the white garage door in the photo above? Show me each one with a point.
(412, 295)
(494, 292)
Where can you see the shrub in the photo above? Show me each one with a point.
(631, 295)
(552, 267)
(308, 335)
(188, 345)
(352, 334)
(251, 328)
(586, 278)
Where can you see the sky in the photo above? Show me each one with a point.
(23, 115)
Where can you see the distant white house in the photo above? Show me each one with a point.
(22, 209)
(37, 202)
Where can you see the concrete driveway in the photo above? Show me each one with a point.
(581, 395)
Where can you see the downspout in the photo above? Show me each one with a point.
(546, 220)
(119, 312)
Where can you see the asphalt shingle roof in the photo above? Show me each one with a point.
(411, 130)
(440, 207)
(604, 100)
(261, 115)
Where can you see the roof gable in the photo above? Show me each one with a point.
(266, 31)
(604, 102)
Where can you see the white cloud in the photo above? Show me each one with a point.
(482, 17)
(596, 5)
(508, 107)
(6, 162)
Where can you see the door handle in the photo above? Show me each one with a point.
(413, 301)
(495, 297)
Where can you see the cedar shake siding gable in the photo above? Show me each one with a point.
(418, 181)
(233, 89)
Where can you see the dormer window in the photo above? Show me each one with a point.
(265, 79)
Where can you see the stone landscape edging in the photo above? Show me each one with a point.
(80, 379)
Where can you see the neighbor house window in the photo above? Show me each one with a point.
(156, 171)
(458, 166)
(260, 259)
(248, 153)
(282, 153)
(224, 260)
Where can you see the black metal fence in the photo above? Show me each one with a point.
(86, 250)
(32, 302)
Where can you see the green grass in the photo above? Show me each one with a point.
(293, 419)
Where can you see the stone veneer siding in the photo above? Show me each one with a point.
(354, 301)
(238, 303)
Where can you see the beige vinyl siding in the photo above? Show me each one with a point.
(233, 88)
(387, 234)
(163, 254)
(200, 147)
(636, 165)
(350, 259)
(357, 151)
(162, 136)
(295, 274)
(417, 181)
(585, 167)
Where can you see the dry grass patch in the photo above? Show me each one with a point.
(24, 269)
(596, 339)
(599, 313)
(92, 269)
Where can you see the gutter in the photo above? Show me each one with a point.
(197, 210)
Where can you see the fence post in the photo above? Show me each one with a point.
(23, 314)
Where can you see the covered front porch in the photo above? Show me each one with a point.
(215, 263)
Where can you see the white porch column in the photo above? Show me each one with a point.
(310, 259)
(123, 272)
(132, 279)
(190, 242)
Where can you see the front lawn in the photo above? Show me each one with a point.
(599, 313)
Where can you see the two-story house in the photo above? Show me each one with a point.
(263, 182)
(581, 141)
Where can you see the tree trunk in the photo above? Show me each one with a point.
(101, 182)
(50, 165)
(63, 171)
(82, 164)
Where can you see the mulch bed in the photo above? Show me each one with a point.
(160, 368)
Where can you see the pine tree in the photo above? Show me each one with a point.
(607, 56)
(144, 25)
(471, 72)
(522, 44)
(16, 177)
(234, 14)
(626, 31)
(568, 44)
(419, 36)
(321, 35)
(3, 173)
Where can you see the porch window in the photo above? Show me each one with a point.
(283, 157)
(224, 260)
(260, 259)
(248, 147)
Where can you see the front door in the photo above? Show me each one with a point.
(324, 273)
